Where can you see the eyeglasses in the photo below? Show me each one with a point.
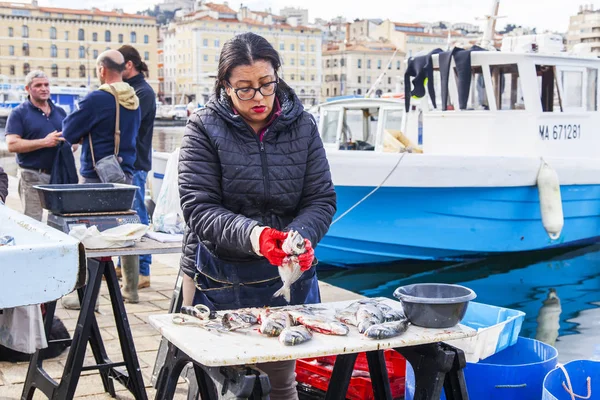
(248, 93)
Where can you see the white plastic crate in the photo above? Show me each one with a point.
(497, 328)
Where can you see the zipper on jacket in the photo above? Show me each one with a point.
(265, 171)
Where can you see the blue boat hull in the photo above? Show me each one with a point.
(397, 223)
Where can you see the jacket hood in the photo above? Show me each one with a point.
(125, 94)
(291, 107)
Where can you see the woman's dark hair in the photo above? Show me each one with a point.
(244, 49)
(131, 54)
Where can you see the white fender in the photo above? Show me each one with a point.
(550, 201)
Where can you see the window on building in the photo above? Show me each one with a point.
(107, 36)
(146, 39)
(217, 42)
(81, 52)
(359, 79)
(335, 91)
(133, 37)
(11, 31)
(312, 62)
(53, 51)
(368, 79)
(94, 37)
(293, 61)
(80, 34)
(146, 55)
(292, 77)
(358, 91)
(24, 31)
(292, 47)
(26, 68)
(302, 47)
(368, 64)
(335, 62)
(312, 48)
(66, 53)
(54, 71)
(312, 78)
(359, 64)
(327, 94)
(389, 80)
(342, 62)
(52, 33)
(205, 57)
(68, 72)
(301, 77)
(25, 49)
(11, 50)
(205, 42)
(327, 63)
(120, 38)
(216, 58)
(82, 71)
(95, 54)
(281, 46)
(378, 64)
(66, 35)
(398, 65)
(95, 72)
(507, 87)
(12, 70)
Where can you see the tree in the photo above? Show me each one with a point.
(443, 26)
(508, 28)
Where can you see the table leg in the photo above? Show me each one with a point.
(379, 375)
(432, 363)
(340, 377)
(35, 376)
(70, 378)
(455, 386)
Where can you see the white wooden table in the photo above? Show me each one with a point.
(143, 247)
(212, 349)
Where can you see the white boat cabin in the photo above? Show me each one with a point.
(519, 104)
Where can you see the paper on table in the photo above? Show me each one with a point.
(164, 237)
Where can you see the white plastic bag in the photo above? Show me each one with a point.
(113, 238)
(22, 329)
(168, 216)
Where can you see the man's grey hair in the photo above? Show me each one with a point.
(34, 74)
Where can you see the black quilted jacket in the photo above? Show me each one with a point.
(230, 181)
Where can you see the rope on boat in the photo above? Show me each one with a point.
(569, 388)
(372, 191)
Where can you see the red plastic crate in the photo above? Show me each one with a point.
(395, 363)
(317, 373)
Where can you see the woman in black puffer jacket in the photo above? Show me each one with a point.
(252, 167)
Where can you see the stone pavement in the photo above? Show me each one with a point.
(153, 300)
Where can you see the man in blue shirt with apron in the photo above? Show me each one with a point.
(33, 131)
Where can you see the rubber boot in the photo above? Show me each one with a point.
(130, 268)
(71, 302)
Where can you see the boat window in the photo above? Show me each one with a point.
(592, 89)
(548, 85)
(507, 87)
(358, 129)
(330, 124)
(391, 131)
(572, 84)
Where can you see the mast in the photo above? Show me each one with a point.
(487, 41)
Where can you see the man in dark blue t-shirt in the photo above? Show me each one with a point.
(33, 131)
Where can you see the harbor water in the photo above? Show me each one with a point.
(559, 290)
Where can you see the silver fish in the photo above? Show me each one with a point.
(293, 335)
(368, 315)
(272, 323)
(319, 323)
(290, 271)
(387, 329)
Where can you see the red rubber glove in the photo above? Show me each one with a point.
(270, 242)
(306, 259)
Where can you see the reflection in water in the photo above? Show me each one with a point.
(548, 319)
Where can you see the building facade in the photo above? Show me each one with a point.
(411, 38)
(192, 45)
(299, 14)
(64, 43)
(585, 28)
(353, 69)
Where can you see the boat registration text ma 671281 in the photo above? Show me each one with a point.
(560, 131)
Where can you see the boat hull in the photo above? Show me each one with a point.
(425, 223)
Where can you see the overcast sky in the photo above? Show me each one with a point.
(543, 14)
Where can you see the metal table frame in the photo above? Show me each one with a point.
(99, 264)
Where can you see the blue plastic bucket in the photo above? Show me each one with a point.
(578, 372)
(515, 373)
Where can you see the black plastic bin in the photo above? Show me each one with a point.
(86, 198)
